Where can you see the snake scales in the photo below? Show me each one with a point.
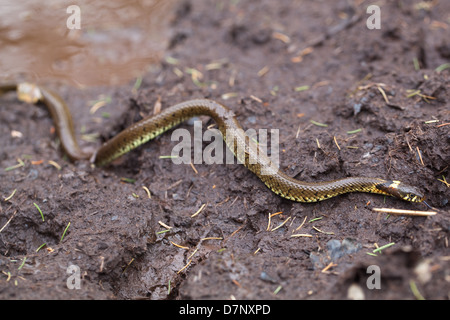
(243, 148)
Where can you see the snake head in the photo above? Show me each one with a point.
(402, 191)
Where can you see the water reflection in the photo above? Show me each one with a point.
(117, 41)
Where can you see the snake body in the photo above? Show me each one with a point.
(244, 148)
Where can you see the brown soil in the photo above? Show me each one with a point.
(115, 236)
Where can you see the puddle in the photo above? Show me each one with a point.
(106, 43)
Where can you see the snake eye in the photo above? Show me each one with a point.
(402, 191)
(410, 193)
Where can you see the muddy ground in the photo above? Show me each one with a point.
(249, 55)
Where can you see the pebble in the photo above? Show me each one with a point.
(251, 119)
(355, 292)
(335, 249)
(357, 108)
(265, 277)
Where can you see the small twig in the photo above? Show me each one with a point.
(148, 192)
(383, 94)
(211, 238)
(270, 217)
(263, 71)
(281, 36)
(335, 141)
(164, 225)
(189, 262)
(11, 195)
(193, 168)
(256, 98)
(296, 235)
(192, 254)
(329, 266)
(269, 223)
(324, 232)
(420, 156)
(157, 106)
(235, 231)
(179, 246)
(301, 225)
(282, 224)
(55, 164)
(199, 210)
(406, 212)
(7, 222)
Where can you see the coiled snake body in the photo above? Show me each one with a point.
(239, 143)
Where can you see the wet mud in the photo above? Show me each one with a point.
(348, 101)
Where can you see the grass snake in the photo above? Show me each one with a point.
(244, 148)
